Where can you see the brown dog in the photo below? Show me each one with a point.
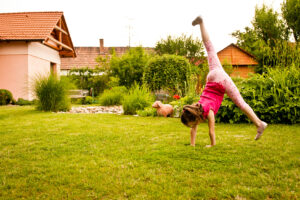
(163, 109)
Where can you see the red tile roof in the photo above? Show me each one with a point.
(38, 26)
(85, 58)
(27, 25)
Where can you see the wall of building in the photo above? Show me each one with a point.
(14, 67)
(21, 62)
(40, 58)
(243, 64)
(242, 71)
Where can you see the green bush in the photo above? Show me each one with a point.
(168, 72)
(87, 100)
(113, 96)
(147, 112)
(51, 94)
(130, 67)
(76, 100)
(24, 102)
(5, 97)
(138, 98)
(273, 96)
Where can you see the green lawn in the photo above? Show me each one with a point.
(105, 156)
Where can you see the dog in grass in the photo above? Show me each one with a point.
(165, 110)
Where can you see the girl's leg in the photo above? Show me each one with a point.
(204, 34)
(236, 97)
(213, 60)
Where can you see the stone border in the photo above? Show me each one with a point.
(97, 109)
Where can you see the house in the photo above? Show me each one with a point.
(86, 56)
(242, 62)
(31, 45)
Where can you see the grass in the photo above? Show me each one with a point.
(47, 155)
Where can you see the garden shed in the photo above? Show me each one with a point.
(31, 44)
(242, 62)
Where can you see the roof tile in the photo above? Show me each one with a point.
(27, 25)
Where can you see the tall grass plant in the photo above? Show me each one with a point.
(51, 93)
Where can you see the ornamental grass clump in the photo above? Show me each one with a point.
(138, 98)
(51, 94)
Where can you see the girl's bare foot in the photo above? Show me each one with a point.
(260, 130)
(197, 21)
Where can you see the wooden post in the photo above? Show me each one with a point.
(60, 43)
(60, 34)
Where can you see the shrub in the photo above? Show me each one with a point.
(147, 112)
(51, 94)
(24, 102)
(76, 100)
(113, 96)
(130, 67)
(5, 97)
(13, 101)
(87, 100)
(167, 72)
(138, 98)
(273, 96)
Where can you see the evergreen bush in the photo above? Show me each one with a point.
(5, 97)
(167, 72)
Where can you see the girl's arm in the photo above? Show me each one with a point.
(211, 126)
(193, 135)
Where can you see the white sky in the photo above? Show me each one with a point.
(149, 20)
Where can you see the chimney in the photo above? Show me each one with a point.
(101, 46)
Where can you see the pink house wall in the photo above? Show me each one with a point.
(40, 58)
(13, 74)
(21, 62)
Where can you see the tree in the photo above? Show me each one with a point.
(182, 46)
(268, 26)
(291, 13)
(247, 40)
(268, 40)
(130, 67)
